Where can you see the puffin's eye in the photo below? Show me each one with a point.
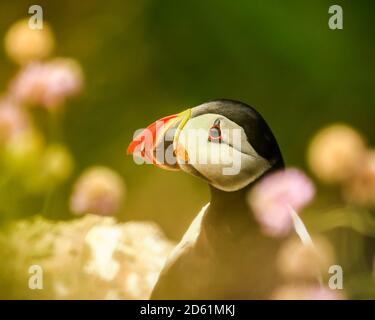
(214, 135)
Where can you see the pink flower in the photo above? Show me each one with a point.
(306, 292)
(323, 293)
(99, 190)
(273, 198)
(47, 84)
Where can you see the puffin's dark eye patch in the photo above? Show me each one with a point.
(214, 134)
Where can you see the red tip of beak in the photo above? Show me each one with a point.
(146, 140)
(136, 142)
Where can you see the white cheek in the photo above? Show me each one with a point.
(244, 170)
(216, 159)
(218, 153)
(226, 168)
(201, 152)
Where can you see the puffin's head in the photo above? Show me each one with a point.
(225, 142)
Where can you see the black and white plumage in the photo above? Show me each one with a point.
(223, 255)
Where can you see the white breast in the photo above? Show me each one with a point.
(189, 238)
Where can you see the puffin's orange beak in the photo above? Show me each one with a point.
(146, 142)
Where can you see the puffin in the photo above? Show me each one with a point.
(223, 254)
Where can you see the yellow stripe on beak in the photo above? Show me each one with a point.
(184, 117)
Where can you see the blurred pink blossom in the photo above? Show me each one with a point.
(274, 196)
(323, 293)
(99, 190)
(306, 292)
(47, 83)
(13, 120)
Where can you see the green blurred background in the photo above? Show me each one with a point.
(145, 59)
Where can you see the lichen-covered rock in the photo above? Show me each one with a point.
(89, 258)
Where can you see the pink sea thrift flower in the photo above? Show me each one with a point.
(306, 292)
(323, 293)
(99, 190)
(273, 198)
(47, 83)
